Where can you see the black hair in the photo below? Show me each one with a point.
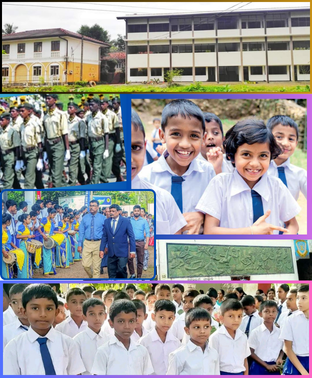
(164, 305)
(131, 286)
(260, 291)
(95, 100)
(197, 313)
(230, 304)
(121, 305)
(240, 290)
(121, 295)
(190, 293)
(248, 300)
(74, 291)
(16, 289)
(51, 211)
(95, 201)
(107, 293)
(114, 206)
(57, 286)
(35, 207)
(293, 290)
(222, 291)
(271, 289)
(33, 214)
(139, 305)
(249, 131)
(162, 287)
(137, 123)
(156, 119)
(38, 291)
(183, 108)
(6, 217)
(285, 287)
(212, 292)
(88, 289)
(259, 298)
(202, 298)
(98, 292)
(230, 296)
(60, 303)
(282, 120)
(10, 203)
(91, 302)
(139, 292)
(22, 204)
(149, 294)
(303, 288)
(178, 286)
(212, 117)
(266, 304)
(136, 207)
(23, 217)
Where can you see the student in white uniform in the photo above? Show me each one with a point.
(120, 355)
(41, 350)
(108, 298)
(249, 201)
(139, 331)
(169, 219)
(196, 357)
(177, 293)
(10, 331)
(15, 295)
(93, 337)
(160, 342)
(282, 310)
(251, 320)
(291, 301)
(74, 324)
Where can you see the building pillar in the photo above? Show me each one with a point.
(291, 46)
(241, 48)
(148, 53)
(193, 51)
(266, 51)
(170, 46)
(217, 52)
(126, 51)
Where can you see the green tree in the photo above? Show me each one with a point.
(9, 29)
(119, 43)
(96, 32)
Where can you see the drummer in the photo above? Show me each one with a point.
(34, 227)
(72, 235)
(48, 255)
(24, 236)
(63, 255)
(7, 245)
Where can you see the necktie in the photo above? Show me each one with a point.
(278, 313)
(290, 314)
(281, 174)
(256, 205)
(114, 225)
(176, 190)
(24, 327)
(92, 228)
(149, 158)
(46, 357)
(248, 326)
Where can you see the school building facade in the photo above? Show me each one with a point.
(50, 56)
(263, 45)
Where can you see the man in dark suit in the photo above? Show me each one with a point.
(116, 232)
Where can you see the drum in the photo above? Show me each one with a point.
(11, 259)
(58, 238)
(71, 232)
(33, 245)
(49, 243)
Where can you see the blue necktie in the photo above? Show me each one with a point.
(92, 228)
(281, 175)
(290, 314)
(46, 357)
(176, 190)
(248, 326)
(278, 313)
(114, 225)
(149, 158)
(24, 327)
(256, 205)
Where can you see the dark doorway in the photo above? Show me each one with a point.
(246, 74)
(228, 74)
(211, 74)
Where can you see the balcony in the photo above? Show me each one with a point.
(253, 32)
(6, 57)
(21, 56)
(231, 58)
(55, 54)
(278, 58)
(38, 54)
(300, 57)
(205, 59)
(254, 58)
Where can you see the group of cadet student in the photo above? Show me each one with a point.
(88, 138)
(136, 332)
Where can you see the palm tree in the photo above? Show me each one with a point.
(9, 29)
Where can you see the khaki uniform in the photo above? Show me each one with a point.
(119, 155)
(113, 123)
(17, 123)
(9, 140)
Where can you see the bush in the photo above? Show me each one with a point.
(171, 74)
(80, 83)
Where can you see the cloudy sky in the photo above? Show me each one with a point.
(71, 15)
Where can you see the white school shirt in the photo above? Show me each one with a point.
(296, 329)
(197, 177)
(9, 316)
(44, 212)
(113, 358)
(135, 337)
(107, 329)
(228, 198)
(155, 135)
(256, 320)
(267, 345)
(226, 167)
(284, 313)
(12, 330)
(179, 307)
(88, 343)
(70, 328)
(151, 151)
(187, 338)
(149, 323)
(177, 328)
(169, 218)
(296, 177)
(159, 351)
(232, 352)
(190, 360)
(12, 227)
(22, 354)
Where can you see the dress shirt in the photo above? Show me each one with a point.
(85, 227)
(139, 226)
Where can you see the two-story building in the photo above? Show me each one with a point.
(243, 45)
(50, 56)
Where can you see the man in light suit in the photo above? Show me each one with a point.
(116, 232)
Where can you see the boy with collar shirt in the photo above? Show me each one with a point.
(140, 331)
(251, 320)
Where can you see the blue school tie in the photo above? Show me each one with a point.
(149, 158)
(278, 313)
(257, 205)
(24, 327)
(176, 190)
(290, 314)
(248, 326)
(114, 225)
(46, 357)
(92, 228)
(281, 175)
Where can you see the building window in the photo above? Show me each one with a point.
(37, 71)
(275, 46)
(186, 71)
(158, 27)
(141, 28)
(256, 46)
(138, 71)
(21, 48)
(227, 23)
(37, 46)
(54, 70)
(200, 70)
(5, 71)
(55, 46)
(181, 49)
(278, 70)
(205, 47)
(6, 48)
(155, 71)
(251, 25)
(301, 45)
(304, 70)
(300, 21)
(256, 70)
(159, 49)
(225, 47)
(137, 49)
(203, 23)
(181, 24)
(277, 20)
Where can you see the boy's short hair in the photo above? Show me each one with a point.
(212, 117)
(97, 292)
(248, 300)
(259, 298)
(149, 294)
(137, 123)
(160, 287)
(293, 290)
(303, 288)
(139, 292)
(230, 304)
(91, 302)
(178, 286)
(267, 304)
(74, 291)
(95, 201)
(56, 285)
(16, 289)
(156, 119)
(202, 298)
(190, 293)
(131, 286)
(230, 296)
(249, 131)
(282, 120)
(212, 292)
(121, 305)
(285, 287)
(136, 207)
(164, 305)
(196, 313)
(139, 305)
(60, 303)
(107, 293)
(38, 291)
(88, 289)
(183, 108)
(121, 295)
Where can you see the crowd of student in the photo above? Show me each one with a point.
(131, 332)
(88, 138)
(240, 183)
(47, 220)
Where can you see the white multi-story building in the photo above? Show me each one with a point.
(259, 45)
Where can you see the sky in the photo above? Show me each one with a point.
(71, 15)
